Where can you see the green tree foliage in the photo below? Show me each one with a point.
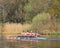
(34, 7)
(21, 11)
(40, 21)
(55, 9)
(14, 10)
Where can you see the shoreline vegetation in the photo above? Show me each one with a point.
(15, 29)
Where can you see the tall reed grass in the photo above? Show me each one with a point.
(15, 28)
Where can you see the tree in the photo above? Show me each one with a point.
(54, 11)
(34, 7)
(14, 10)
(40, 21)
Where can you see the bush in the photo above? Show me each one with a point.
(39, 22)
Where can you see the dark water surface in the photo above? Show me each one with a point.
(29, 44)
(33, 44)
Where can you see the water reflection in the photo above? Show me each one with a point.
(33, 44)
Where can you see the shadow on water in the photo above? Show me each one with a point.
(33, 44)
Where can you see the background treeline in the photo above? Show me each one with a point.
(35, 12)
(21, 11)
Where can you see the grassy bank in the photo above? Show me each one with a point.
(14, 28)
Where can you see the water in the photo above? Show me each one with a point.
(33, 44)
(44, 43)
